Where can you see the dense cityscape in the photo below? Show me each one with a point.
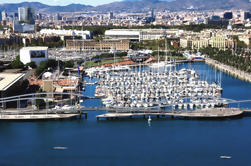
(111, 84)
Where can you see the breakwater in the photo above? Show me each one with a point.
(229, 69)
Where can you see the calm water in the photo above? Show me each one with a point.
(133, 142)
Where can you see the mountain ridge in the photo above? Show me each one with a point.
(13, 7)
(135, 5)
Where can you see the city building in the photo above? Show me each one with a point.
(4, 16)
(57, 17)
(130, 34)
(111, 16)
(245, 15)
(221, 42)
(9, 83)
(245, 38)
(33, 54)
(79, 45)
(198, 43)
(185, 42)
(63, 32)
(141, 34)
(228, 15)
(19, 27)
(26, 15)
(216, 20)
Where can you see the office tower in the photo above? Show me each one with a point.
(4, 16)
(26, 14)
(111, 15)
(228, 15)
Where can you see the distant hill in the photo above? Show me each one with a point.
(135, 5)
(13, 7)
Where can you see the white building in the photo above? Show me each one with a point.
(141, 34)
(63, 32)
(9, 83)
(120, 34)
(33, 54)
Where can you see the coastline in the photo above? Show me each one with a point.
(228, 69)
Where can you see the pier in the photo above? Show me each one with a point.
(218, 113)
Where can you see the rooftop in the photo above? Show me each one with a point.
(34, 48)
(7, 80)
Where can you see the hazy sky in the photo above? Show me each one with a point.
(63, 2)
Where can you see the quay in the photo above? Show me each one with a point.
(215, 113)
(228, 69)
(44, 114)
(218, 113)
(37, 116)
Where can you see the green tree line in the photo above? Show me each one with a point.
(241, 62)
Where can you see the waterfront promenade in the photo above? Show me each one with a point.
(229, 69)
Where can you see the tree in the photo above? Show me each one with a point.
(68, 64)
(17, 64)
(31, 64)
(50, 63)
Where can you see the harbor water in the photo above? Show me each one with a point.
(133, 141)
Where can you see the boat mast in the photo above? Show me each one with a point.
(165, 55)
(158, 58)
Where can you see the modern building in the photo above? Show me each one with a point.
(120, 45)
(228, 15)
(245, 15)
(63, 32)
(141, 34)
(216, 20)
(23, 27)
(26, 15)
(120, 34)
(111, 16)
(4, 16)
(150, 18)
(9, 83)
(57, 17)
(39, 16)
(33, 54)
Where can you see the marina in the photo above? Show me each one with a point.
(161, 141)
(135, 91)
(181, 90)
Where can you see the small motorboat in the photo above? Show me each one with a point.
(225, 157)
(149, 119)
(60, 148)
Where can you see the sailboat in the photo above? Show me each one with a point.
(158, 64)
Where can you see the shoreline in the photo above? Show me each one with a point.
(229, 70)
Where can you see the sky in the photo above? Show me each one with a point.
(63, 2)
